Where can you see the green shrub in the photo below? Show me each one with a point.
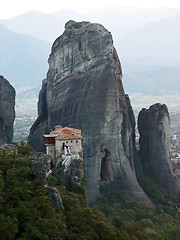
(24, 148)
(77, 25)
(78, 189)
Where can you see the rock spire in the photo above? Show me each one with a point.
(7, 112)
(153, 125)
(83, 89)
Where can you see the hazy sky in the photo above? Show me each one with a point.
(10, 8)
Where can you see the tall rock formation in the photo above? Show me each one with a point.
(84, 90)
(7, 112)
(153, 125)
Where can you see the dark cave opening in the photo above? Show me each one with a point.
(105, 174)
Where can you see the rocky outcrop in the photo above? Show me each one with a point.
(55, 197)
(9, 147)
(84, 90)
(7, 112)
(41, 163)
(153, 125)
(72, 173)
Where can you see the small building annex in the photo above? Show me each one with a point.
(63, 141)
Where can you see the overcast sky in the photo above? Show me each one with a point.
(11, 8)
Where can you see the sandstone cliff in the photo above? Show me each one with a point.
(153, 125)
(84, 90)
(7, 112)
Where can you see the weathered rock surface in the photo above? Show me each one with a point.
(40, 126)
(9, 147)
(7, 112)
(153, 125)
(83, 89)
(41, 163)
(73, 173)
(55, 197)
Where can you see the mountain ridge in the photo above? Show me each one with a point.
(125, 19)
(160, 38)
(22, 58)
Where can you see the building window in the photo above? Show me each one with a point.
(67, 142)
(76, 141)
(71, 141)
(63, 146)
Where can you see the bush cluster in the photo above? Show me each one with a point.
(26, 212)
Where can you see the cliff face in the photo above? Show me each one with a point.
(153, 125)
(41, 162)
(7, 112)
(40, 126)
(73, 173)
(83, 89)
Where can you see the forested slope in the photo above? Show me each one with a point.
(27, 213)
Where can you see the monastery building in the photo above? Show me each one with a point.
(63, 142)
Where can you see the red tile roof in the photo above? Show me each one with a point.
(61, 133)
(177, 171)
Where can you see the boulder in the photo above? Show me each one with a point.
(55, 197)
